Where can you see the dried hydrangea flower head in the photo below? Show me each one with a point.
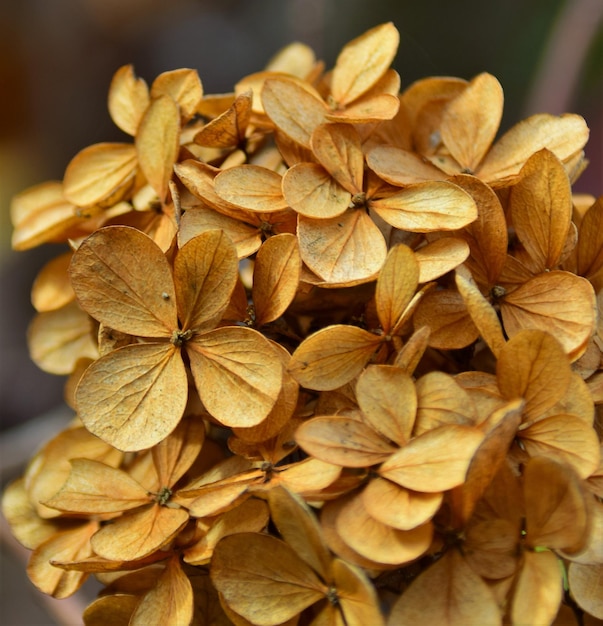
(333, 350)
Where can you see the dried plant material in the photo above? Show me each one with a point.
(556, 514)
(229, 127)
(66, 545)
(119, 408)
(585, 582)
(52, 288)
(362, 62)
(536, 304)
(533, 366)
(170, 601)
(100, 174)
(157, 143)
(564, 136)
(542, 177)
(275, 278)
(446, 316)
(262, 188)
(58, 339)
(471, 120)
(128, 99)
(295, 107)
(429, 463)
(538, 589)
(448, 592)
(334, 350)
(183, 86)
(41, 214)
(427, 207)
(116, 608)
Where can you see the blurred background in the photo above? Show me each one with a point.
(56, 62)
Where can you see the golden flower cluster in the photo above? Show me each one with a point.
(334, 353)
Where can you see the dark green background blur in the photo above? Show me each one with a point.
(57, 58)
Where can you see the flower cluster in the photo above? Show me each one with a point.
(334, 352)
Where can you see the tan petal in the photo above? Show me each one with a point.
(448, 593)
(380, 542)
(344, 249)
(356, 594)
(294, 106)
(445, 314)
(282, 410)
(122, 396)
(556, 512)
(236, 374)
(585, 583)
(246, 238)
(298, 526)
(470, 121)
(396, 286)
(111, 278)
(170, 601)
(388, 399)
(426, 90)
(99, 173)
(41, 214)
(311, 191)
(543, 183)
(533, 366)
(68, 545)
(564, 136)
(482, 313)
(538, 589)
(113, 609)
(251, 187)
(565, 438)
(328, 518)
(52, 288)
(343, 441)
(401, 167)
(432, 462)
(374, 108)
(412, 351)
(93, 487)
(306, 478)
(491, 548)
(174, 455)
(128, 99)
(58, 339)
(250, 516)
(441, 400)
(183, 86)
(205, 273)
(248, 566)
(571, 317)
(440, 257)
(501, 428)
(227, 130)
(427, 207)
(487, 235)
(332, 356)
(275, 277)
(589, 251)
(158, 142)
(397, 507)
(363, 61)
(339, 150)
(28, 528)
(51, 467)
(135, 535)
